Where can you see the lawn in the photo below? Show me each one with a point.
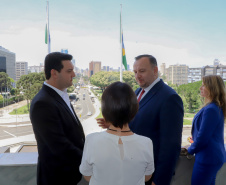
(100, 115)
(187, 122)
(21, 110)
(189, 115)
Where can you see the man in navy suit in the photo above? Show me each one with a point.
(160, 117)
(58, 131)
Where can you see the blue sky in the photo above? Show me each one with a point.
(176, 32)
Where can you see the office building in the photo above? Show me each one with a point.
(64, 51)
(8, 62)
(106, 68)
(21, 69)
(177, 74)
(215, 70)
(194, 74)
(94, 67)
(163, 69)
(36, 69)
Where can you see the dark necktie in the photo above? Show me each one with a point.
(141, 94)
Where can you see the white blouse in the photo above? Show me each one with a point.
(110, 163)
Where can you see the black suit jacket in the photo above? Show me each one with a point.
(60, 139)
(160, 117)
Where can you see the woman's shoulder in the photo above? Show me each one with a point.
(93, 136)
(142, 138)
(211, 106)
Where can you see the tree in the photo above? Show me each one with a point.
(5, 81)
(85, 79)
(70, 89)
(191, 93)
(30, 85)
(103, 78)
(129, 78)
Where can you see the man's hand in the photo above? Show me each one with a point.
(102, 123)
(152, 183)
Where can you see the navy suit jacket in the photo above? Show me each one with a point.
(60, 139)
(208, 135)
(160, 117)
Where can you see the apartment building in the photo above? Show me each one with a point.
(21, 69)
(177, 74)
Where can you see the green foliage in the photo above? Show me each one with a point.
(30, 85)
(190, 95)
(85, 79)
(76, 79)
(103, 79)
(1, 98)
(13, 91)
(97, 93)
(187, 122)
(21, 110)
(188, 115)
(70, 89)
(100, 115)
(129, 78)
(5, 81)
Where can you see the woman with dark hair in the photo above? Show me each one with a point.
(208, 132)
(117, 156)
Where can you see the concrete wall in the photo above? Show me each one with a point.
(20, 169)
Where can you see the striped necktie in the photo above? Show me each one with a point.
(141, 94)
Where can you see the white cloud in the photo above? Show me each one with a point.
(28, 44)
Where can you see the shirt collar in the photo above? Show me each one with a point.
(152, 85)
(61, 93)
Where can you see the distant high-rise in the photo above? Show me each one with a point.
(36, 69)
(7, 62)
(194, 74)
(128, 67)
(163, 69)
(106, 68)
(73, 62)
(64, 51)
(21, 69)
(177, 74)
(94, 67)
(3, 64)
(216, 62)
(214, 70)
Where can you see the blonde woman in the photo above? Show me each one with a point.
(208, 132)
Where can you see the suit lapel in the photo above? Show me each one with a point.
(195, 118)
(76, 117)
(59, 99)
(150, 93)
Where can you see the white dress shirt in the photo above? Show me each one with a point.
(63, 95)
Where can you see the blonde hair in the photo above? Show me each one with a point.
(216, 88)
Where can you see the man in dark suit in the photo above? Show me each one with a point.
(160, 117)
(58, 131)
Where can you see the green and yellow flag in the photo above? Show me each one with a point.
(123, 54)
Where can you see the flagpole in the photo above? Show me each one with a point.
(121, 42)
(48, 33)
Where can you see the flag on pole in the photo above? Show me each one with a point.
(123, 54)
(121, 41)
(47, 33)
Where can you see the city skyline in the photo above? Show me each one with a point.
(175, 32)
